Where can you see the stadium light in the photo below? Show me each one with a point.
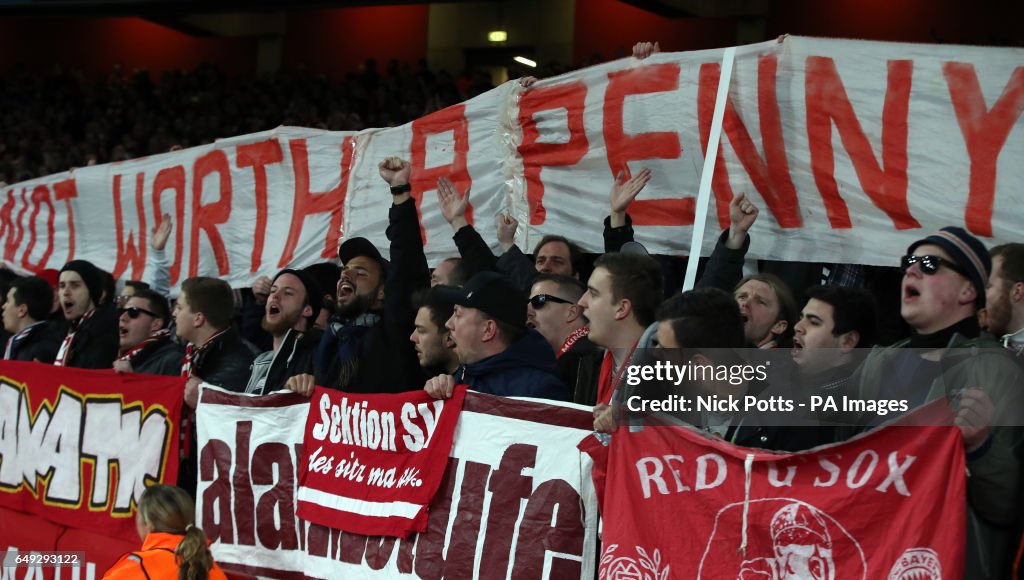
(497, 36)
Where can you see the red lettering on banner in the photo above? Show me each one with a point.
(12, 228)
(827, 103)
(40, 196)
(206, 217)
(172, 178)
(423, 178)
(508, 486)
(66, 191)
(536, 155)
(309, 203)
(985, 132)
(769, 174)
(270, 459)
(131, 250)
(258, 156)
(552, 509)
(624, 148)
(215, 467)
(243, 500)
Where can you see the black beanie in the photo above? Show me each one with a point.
(314, 296)
(90, 274)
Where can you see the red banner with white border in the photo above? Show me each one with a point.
(372, 463)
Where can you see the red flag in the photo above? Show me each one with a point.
(889, 504)
(372, 463)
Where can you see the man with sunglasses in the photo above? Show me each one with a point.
(944, 277)
(554, 312)
(145, 341)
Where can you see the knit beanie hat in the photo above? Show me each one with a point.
(967, 251)
(314, 296)
(90, 275)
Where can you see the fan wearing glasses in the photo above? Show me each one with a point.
(554, 312)
(944, 278)
(145, 342)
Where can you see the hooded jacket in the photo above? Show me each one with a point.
(271, 370)
(527, 368)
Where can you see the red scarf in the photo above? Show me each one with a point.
(65, 347)
(572, 339)
(606, 383)
(131, 353)
(191, 352)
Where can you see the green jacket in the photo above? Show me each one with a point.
(994, 471)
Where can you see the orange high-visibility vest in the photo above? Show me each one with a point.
(155, 561)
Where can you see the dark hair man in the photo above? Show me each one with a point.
(366, 347)
(1004, 296)
(498, 354)
(290, 311)
(145, 342)
(835, 321)
(435, 347)
(622, 296)
(91, 340)
(25, 316)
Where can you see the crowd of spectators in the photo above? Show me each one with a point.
(58, 120)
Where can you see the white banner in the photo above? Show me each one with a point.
(852, 149)
(517, 499)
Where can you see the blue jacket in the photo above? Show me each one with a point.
(526, 368)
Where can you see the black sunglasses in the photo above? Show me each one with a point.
(540, 300)
(134, 312)
(929, 264)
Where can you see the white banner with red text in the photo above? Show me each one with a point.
(852, 149)
(516, 497)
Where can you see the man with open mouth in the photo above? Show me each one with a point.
(92, 339)
(944, 278)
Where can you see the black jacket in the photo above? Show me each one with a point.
(40, 344)
(271, 370)
(580, 369)
(525, 369)
(387, 360)
(95, 345)
(163, 357)
(226, 362)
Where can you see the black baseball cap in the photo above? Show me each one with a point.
(355, 247)
(491, 293)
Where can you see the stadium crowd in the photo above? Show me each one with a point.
(547, 324)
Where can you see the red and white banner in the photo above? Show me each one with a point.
(516, 497)
(77, 449)
(852, 149)
(890, 504)
(371, 464)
